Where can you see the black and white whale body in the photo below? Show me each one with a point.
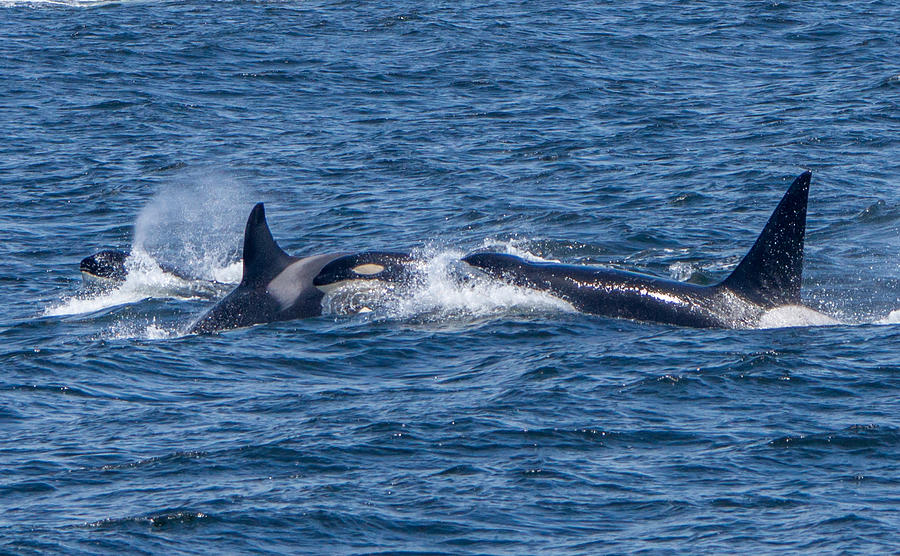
(104, 268)
(368, 266)
(274, 286)
(109, 269)
(769, 276)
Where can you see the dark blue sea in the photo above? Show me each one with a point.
(460, 417)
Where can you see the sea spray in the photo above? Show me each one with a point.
(196, 226)
(442, 288)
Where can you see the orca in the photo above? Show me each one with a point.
(274, 286)
(368, 266)
(104, 268)
(769, 276)
(109, 269)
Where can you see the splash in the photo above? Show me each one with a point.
(83, 303)
(185, 246)
(892, 318)
(195, 227)
(142, 330)
(518, 247)
(443, 289)
(145, 279)
(794, 315)
(449, 289)
(229, 274)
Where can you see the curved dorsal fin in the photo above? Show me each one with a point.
(263, 259)
(770, 274)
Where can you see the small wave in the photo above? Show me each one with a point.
(868, 436)
(63, 3)
(175, 457)
(157, 521)
(461, 469)
(879, 212)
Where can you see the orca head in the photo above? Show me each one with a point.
(382, 266)
(105, 268)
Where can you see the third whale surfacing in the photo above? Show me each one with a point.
(769, 276)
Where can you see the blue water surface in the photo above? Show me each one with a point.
(650, 136)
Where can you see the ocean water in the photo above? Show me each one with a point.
(457, 417)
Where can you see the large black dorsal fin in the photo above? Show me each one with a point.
(263, 259)
(770, 274)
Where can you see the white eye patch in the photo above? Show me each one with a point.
(367, 269)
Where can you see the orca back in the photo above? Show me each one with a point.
(250, 303)
(771, 272)
(263, 258)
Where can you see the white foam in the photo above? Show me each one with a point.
(892, 318)
(517, 247)
(443, 288)
(131, 330)
(197, 225)
(794, 315)
(681, 271)
(443, 293)
(145, 279)
(229, 274)
(90, 303)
